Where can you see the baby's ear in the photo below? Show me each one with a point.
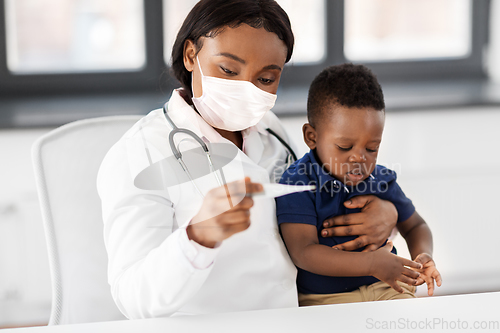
(309, 135)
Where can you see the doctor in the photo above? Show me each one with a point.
(173, 251)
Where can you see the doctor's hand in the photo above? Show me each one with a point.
(372, 225)
(224, 212)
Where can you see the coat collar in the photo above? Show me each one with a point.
(184, 116)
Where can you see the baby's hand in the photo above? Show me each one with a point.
(428, 272)
(390, 268)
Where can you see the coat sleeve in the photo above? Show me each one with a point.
(149, 268)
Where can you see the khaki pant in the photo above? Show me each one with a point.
(378, 291)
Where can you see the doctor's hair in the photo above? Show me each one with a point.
(210, 17)
(348, 85)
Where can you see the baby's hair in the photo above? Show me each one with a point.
(352, 86)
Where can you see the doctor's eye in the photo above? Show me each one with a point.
(344, 148)
(228, 71)
(266, 80)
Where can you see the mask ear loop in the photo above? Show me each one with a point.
(192, 78)
(192, 84)
(199, 66)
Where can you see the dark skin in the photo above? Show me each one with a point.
(347, 143)
(258, 56)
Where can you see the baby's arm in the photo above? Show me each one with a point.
(302, 243)
(418, 236)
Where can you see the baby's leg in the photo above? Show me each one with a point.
(381, 291)
(322, 299)
(378, 291)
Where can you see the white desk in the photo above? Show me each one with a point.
(459, 312)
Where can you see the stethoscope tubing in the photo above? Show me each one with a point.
(178, 154)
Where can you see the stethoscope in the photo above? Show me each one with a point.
(291, 157)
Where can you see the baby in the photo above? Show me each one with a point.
(345, 110)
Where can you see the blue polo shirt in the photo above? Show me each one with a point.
(314, 207)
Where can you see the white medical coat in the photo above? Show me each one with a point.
(154, 269)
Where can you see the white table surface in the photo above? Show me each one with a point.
(459, 312)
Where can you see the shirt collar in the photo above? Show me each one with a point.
(324, 177)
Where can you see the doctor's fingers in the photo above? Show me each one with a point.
(244, 204)
(344, 220)
(213, 207)
(233, 228)
(233, 217)
(222, 227)
(342, 231)
(221, 205)
(237, 188)
(354, 244)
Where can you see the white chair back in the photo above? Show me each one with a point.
(66, 161)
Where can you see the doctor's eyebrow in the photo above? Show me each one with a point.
(238, 59)
(231, 56)
(272, 67)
